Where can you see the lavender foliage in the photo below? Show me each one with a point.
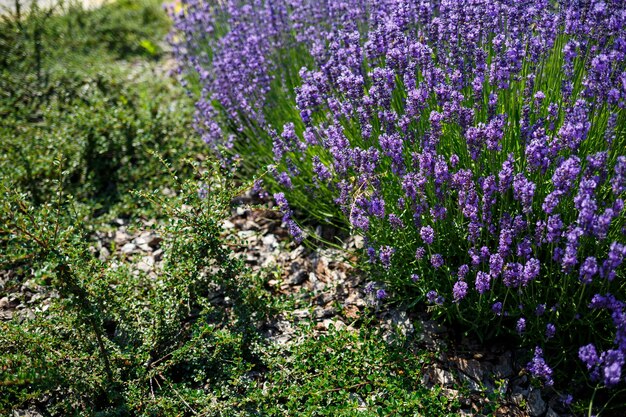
(477, 145)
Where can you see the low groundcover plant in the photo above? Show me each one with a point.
(478, 146)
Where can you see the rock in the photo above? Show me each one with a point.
(320, 312)
(551, 413)
(336, 323)
(158, 255)
(536, 405)
(450, 393)
(227, 225)
(351, 312)
(121, 237)
(128, 248)
(402, 323)
(119, 221)
(517, 399)
(273, 283)
(517, 389)
(146, 264)
(504, 368)
(318, 286)
(356, 298)
(144, 247)
(26, 413)
(296, 253)
(284, 326)
(248, 237)
(104, 254)
(471, 372)
(471, 383)
(282, 339)
(443, 377)
(298, 278)
(362, 405)
(301, 313)
(320, 327)
(271, 241)
(324, 298)
(148, 238)
(298, 274)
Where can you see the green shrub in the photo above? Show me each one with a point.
(113, 342)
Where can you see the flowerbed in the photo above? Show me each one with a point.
(478, 146)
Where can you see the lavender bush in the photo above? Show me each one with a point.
(478, 146)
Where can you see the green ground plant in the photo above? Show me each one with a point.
(117, 343)
(81, 103)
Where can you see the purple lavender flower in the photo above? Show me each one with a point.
(496, 264)
(391, 145)
(550, 330)
(377, 207)
(283, 205)
(427, 234)
(505, 176)
(555, 228)
(575, 127)
(588, 269)
(284, 180)
(523, 190)
(371, 254)
(385, 256)
(322, 173)
(612, 361)
(513, 274)
(388, 87)
(541, 308)
(531, 271)
(359, 219)
(539, 368)
(436, 260)
(462, 272)
(589, 356)
(497, 308)
(618, 182)
(565, 175)
(381, 294)
(459, 291)
(539, 96)
(521, 325)
(395, 222)
(567, 399)
(538, 152)
(483, 282)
